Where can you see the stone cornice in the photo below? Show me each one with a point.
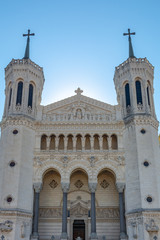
(15, 212)
(119, 125)
(141, 120)
(18, 120)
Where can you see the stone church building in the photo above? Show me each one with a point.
(79, 167)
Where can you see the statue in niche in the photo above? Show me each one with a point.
(23, 226)
(79, 113)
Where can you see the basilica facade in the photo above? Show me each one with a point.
(79, 168)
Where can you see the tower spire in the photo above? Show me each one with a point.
(131, 53)
(26, 55)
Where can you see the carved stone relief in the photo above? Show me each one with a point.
(79, 184)
(50, 212)
(107, 213)
(104, 184)
(53, 184)
(6, 226)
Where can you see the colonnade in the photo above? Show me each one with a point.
(79, 142)
(65, 189)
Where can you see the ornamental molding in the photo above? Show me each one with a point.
(21, 121)
(72, 126)
(10, 213)
(142, 120)
(82, 161)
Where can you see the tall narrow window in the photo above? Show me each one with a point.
(138, 92)
(10, 97)
(127, 94)
(148, 97)
(19, 93)
(30, 95)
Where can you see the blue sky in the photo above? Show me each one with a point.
(80, 42)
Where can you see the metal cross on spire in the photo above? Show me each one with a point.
(131, 53)
(26, 55)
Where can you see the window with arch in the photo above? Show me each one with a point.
(19, 93)
(105, 142)
(70, 142)
(138, 92)
(44, 142)
(10, 97)
(79, 142)
(30, 95)
(148, 93)
(114, 142)
(52, 142)
(87, 142)
(61, 142)
(96, 142)
(127, 95)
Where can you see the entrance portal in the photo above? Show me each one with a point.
(78, 229)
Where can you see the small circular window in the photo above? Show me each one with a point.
(9, 199)
(15, 131)
(149, 199)
(12, 164)
(146, 163)
(143, 131)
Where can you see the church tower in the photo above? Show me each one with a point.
(23, 88)
(134, 86)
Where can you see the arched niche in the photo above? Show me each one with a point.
(106, 192)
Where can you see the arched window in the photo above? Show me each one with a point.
(61, 142)
(52, 142)
(70, 142)
(19, 93)
(43, 142)
(30, 95)
(138, 92)
(148, 96)
(105, 142)
(114, 142)
(96, 142)
(79, 142)
(10, 97)
(87, 142)
(127, 94)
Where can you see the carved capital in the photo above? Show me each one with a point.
(37, 187)
(120, 187)
(65, 186)
(92, 186)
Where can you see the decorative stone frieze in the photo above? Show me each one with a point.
(6, 226)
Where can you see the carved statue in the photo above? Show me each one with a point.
(23, 227)
(6, 226)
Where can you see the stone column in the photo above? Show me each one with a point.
(101, 143)
(83, 143)
(92, 143)
(65, 143)
(120, 188)
(37, 189)
(92, 187)
(65, 188)
(56, 143)
(74, 143)
(109, 142)
(48, 142)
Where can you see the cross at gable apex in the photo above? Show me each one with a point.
(78, 91)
